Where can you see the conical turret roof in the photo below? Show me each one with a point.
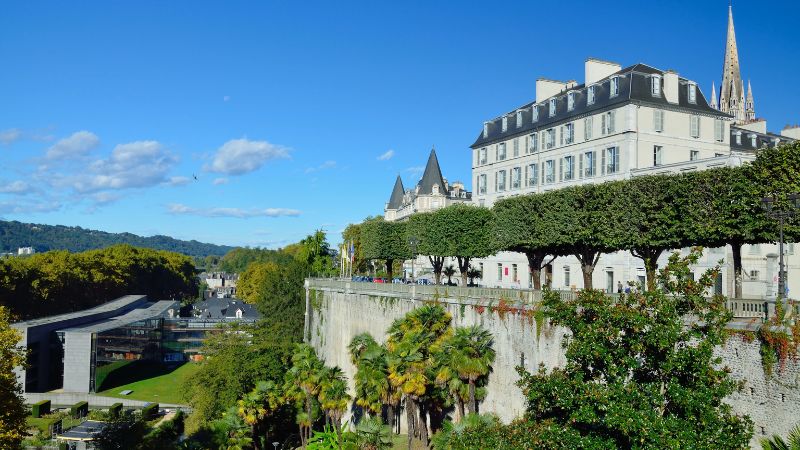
(396, 200)
(731, 75)
(431, 176)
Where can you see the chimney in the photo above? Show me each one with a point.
(792, 132)
(596, 70)
(671, 86)
(547, 88)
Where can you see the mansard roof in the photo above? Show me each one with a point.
(762, 139)
(431, 176)
(634, 87)
(396, 200)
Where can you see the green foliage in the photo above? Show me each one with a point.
(40, 409)
(780, 339)
(56, 282)
(238, 259)
(125, 433)
(150, 411)
(352, 233)
(640, 370)
(385, 241)
(12, 408)
(777, 442)
(76, 239)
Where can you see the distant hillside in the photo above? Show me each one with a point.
(76, 239)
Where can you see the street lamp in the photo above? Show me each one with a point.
(781, 214)
(275, 444)
(412, 243)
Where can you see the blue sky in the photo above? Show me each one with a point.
(299, 115)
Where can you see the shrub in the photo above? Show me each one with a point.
(150, 411)
(80, 409)
(40, 409)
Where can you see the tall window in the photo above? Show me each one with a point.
(531, 174)
(613, 87)
(514, 273)
(752, 140)
(588, 123)
(692, 92)
(588, 164)
(485, 129)
(569, 168)
(519, 119)
(501, 181)
(499, 272)
(505, 123)
(719, 130)
(694, 155)
(501, 151)
(694, 125)
(533, 142)
(516, 178)
(655, 85)
(516, 147)
(739, 138)
(607, 122)
(550, 138)
(590, 95)
(658, 153)
(550, 171)
(610, 161)
(566, 276)
(658, 120)
(482, 155)
(534, 113)
(570, 101)
(552, 107)
(569, 133)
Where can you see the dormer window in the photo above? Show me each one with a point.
(534, 113)
(485, 130)
(738, 137)
(655, 85)
(613, 87)
(752, 140)
(692, 92)
(505, 123)
(590, 95)
(570, 101)
(552, 107)
(519, 119)
(777, 141)
(238, 313)
(435, 188)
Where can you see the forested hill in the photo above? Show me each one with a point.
(76, 239)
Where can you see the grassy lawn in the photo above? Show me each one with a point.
(156, 383)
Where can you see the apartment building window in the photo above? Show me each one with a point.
(501, 151)
(569, 168)
(550, 138)
(719, 130)
(568, 133)
(655, 85)
(588, 123)
(607, 122)
(692, 92)
(570, 101)
(610, 162)
(550, 171)
(752, 140)
(590, 95)
(500, 180)
(739, 138)
(533, 143)
(515, 147)
(534, 113)
(552, 107)
(514, 273)
(754, 275)
(499, 272)
(658, 120)
(658, 153)
(482, 184)
(516, 177)
(482, 155)
(485, 129)
(505, 123)
(531, 174)
(694, 126)
(694, 155)
(613, 87)
(566, 276)
(519, 119)
(587, 164)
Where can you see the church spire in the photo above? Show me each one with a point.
(750, 109)
(396, 200)
(714, 96)
(729, 102)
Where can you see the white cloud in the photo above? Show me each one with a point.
(218, 181)
(177, 208)
(386, 156)
(133, 165)
(15, 187)
(240, 156)
(102, 198)
(178, 181)
(9, 136)
(79, 144)
(36, 207)
(415, 169)
(323, 166)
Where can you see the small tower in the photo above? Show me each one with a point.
(729, 101)
(750, 109)
(714, 96)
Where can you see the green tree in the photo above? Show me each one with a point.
(373, 390)
(257, 407)
(386, 241)
(449, 271)
(468, 234)
(303, 383)
(777, 442)
(640, 369)
(333, 396)
(431, 233)
(352, 234)
(470, 354)
(12, 408)
(474, 273)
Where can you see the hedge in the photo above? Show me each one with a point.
(115, 410)
(150, 411)
(80, 409)
(40, 409)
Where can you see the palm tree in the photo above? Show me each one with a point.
(333, 394)
(258, 405)
(473, 273)
(472, 356)
(303, 385)
(372, 387)
(449, 271)
(777, 442)
(359, 345)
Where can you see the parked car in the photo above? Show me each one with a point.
(397, 281)
(424, 282)
(379, 280)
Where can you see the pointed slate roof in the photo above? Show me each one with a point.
(713, 96)
(432, 175)
(396, 200)
(731, 76)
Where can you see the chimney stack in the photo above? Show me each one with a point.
(596, 70)
(671, 86)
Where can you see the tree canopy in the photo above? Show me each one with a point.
(12, 407)
(385, 240)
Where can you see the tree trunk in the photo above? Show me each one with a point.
(463, 267)
(460, 404)
(736, 248)
(410, 420)
(389, 270)
(254, 432)
(423, 425)
(310, 421)
(588, 259)
(437, 262)
(650, 258)
(471, 405)
(535, 264)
